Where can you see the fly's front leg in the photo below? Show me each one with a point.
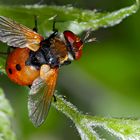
(54, 28)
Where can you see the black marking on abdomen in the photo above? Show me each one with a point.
(10, 70)
(18, 67)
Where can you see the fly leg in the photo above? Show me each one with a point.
(36, 25)
(54, 29)
(54, 98)
(54, 23)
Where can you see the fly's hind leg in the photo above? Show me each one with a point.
(36, 24)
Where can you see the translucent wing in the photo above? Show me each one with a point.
(41, 94)
(17, 35)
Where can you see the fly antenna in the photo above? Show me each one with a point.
(90, 40)
(40, 2)
(86, 37)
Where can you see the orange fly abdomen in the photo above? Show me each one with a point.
(17, 70)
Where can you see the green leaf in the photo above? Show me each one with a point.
(77, 20)
(71, 18)
(124, 129)
(6, 113)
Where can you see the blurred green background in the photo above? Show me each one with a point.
(104, 82)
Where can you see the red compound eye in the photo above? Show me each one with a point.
(76, 43)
